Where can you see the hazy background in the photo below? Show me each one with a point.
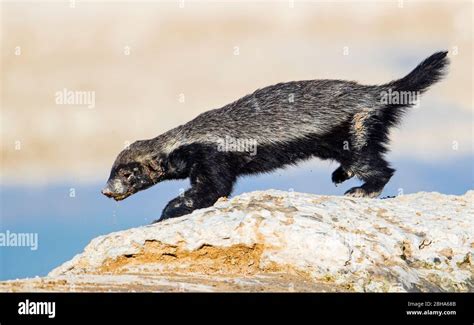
(154, 65)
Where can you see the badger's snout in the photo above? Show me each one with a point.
(116, 190)
(107, 191)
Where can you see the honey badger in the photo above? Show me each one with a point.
(290, 122)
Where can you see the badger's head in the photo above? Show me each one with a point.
(136, 168)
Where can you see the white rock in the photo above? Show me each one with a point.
(286, 241)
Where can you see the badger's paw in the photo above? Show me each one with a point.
(177, 207)
(363, 191)
(340, 175)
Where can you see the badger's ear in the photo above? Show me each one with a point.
(156, 164)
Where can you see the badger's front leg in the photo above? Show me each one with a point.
(210, 180)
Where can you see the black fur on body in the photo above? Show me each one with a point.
(290, 122)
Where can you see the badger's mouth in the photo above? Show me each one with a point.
(120, 197)
(116, 196)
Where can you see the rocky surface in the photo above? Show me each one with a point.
(284, 241)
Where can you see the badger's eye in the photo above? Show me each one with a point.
(127, 175)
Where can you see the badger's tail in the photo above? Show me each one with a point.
(428, 72)
(396, 93)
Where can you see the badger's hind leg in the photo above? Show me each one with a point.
(368, 132)
(375, 172)
(341, 174)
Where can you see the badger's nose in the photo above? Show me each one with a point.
(107, 192)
